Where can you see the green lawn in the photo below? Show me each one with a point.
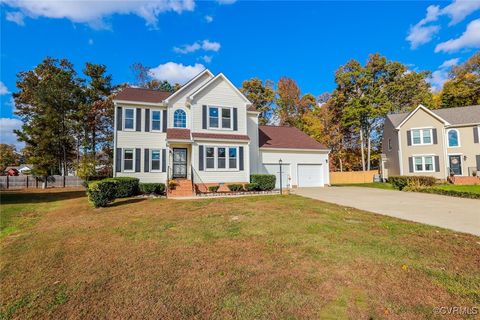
(377, 185)
(469, 188)
(280, 257)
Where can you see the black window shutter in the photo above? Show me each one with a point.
(409, 137)
(240, 154)
(410, 164)
(164, 160)
(119, 118)
(164, 121)
(200, 158)
(475, 134)
(434, 133)
(138, 154)
(478, 162)
(139, 119)
(118, 160)
(204, 117)
(437, 164)
(146, 159)
(147, 120)
(235, 119)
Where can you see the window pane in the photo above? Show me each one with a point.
(180, 119)
(213, 117)
(156, 115)
(427, 136)
(232, 163)
(128, 113)
(418, 164)
(129, 123)
(214, 122)
(213, 112)
(156, 155)
(128, 155)
(128, 165)
(156, 125)
(226, 113)
(210, 163)
(416, 136)
(428, 163)
(221, 152)
(155, 164)
(452, 138)
(221, 163)
(210, 152)
(232, 152)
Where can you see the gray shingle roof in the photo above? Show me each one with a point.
(460, 115)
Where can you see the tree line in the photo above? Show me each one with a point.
(68, 117)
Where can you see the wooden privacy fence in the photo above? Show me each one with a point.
(352, 177)
(23, 182)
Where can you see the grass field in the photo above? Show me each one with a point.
(467, 188)
(265, 257)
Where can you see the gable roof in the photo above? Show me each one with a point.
(277, 137)
(187, 84)
(142, 95)
(218, 76)
(453, 116)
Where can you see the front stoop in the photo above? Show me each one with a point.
(182, 189)
(461, 180)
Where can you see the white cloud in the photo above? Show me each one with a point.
(3, 89)
(176, 72)
(459, 10)
(438, 77)
(16, 17)
(206, 58)
(204, 45)
(94, 12)
(7, 125)
(421, 33)
(469, 39)
(208, 18)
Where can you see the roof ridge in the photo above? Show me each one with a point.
(147, 89)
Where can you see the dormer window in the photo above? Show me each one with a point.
(219, 118)
(179, 119)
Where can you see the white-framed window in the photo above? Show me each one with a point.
(423, 164)
(220, 117)
(389, 144)
(422, 136)
(453, 137)
(221, 158)
(179, 119)
(128, 160)
(156, 123)
(155, 165)
(129, 119)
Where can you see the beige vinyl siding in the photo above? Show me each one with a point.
(392, 166)
(421, 119)
(221, 176)
(252, 125)
(221, 94)
(467, 148)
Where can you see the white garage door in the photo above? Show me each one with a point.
(310, 175)
(275, 169)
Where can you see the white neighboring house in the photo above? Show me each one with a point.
(207, 133)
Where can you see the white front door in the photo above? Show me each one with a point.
(310, 175)
(275, 169)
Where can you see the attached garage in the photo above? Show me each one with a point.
(310, 175)
(304, 160)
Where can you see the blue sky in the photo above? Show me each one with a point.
(306, 41)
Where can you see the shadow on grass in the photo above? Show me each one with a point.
(122, 202)
(15, 197)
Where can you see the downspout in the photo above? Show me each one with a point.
(400, 158)
(114, 164)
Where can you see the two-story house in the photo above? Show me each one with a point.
(207, 133)
(436, 143)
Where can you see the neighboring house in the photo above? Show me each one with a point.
(432, 142)
(207, 133)
(22, 169)
(11, 171)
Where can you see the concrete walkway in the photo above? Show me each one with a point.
(457, 214)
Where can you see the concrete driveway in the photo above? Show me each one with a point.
(447, 212)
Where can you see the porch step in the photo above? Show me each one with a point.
(183, 188)
(464, 180)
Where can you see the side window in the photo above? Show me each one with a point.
(213, 117)
(156, 123)
(453, 138)
(179, 119)
(226, 118)
(155, 162)
(128, 160)
(129, 119)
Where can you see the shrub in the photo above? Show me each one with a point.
(264, 181)
(101, 193)
(452, 193)
(235, 187)
(251, 186)
(126, 186)
(400, 182)
(156, 188)
(213, 188)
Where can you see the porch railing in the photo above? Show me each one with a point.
(195, 175)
